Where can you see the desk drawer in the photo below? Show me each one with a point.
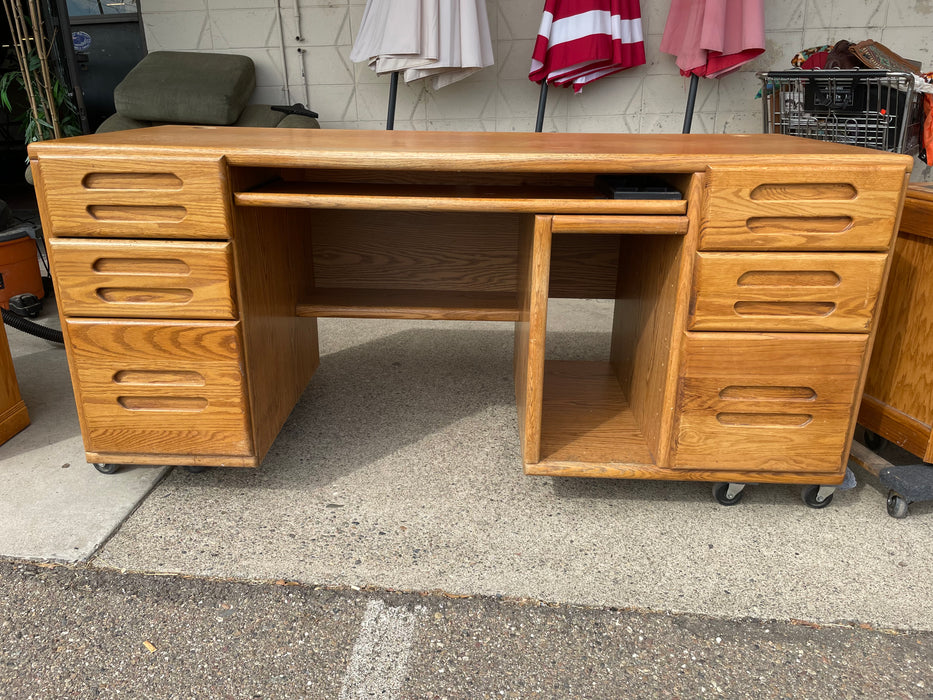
(143, 279)
(160, 388)
(774, 403)
(157, 197)
(796, 208)
(785, 291)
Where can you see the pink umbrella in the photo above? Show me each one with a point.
(712, 38)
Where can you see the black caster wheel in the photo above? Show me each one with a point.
(897, 506)
(811, 496)
(194, 468)
(873, 441)
(721, 494)
(104, 468)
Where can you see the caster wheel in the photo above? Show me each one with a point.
(106, 468)
(194, 468)
(897, 506)
(721, 494)
(811, 496)
(873, 441)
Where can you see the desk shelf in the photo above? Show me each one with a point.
(587, 426)
(421, 197)
(410, 303)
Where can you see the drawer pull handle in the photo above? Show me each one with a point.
(764, 420)
(188, 404)
(141, 266)
(789, 278)
(784, 308)
(808, 190)
(154, 377)
(131, 181)
(799, 224)
(141, 213)
(768, 393)
(140, 295)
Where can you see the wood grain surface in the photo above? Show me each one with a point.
(531, 332)
(167, 387)
(273, 255)
(785, 291)
(144, 279)
(357, 149)
(13, 414)
(792, 208)
(770, 402)
(121, 197)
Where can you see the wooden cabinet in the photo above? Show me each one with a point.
(13, 414)
(898, 401)
(744, 311)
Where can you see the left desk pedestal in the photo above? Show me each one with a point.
(13, 414)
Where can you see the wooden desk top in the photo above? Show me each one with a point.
(476, 151)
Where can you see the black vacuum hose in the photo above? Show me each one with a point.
(27, 326)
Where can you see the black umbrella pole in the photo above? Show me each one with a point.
(542, 103)
(393, 94)
(691, 101)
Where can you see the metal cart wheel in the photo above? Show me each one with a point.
(897, 505)
(105, 468)
(728, 494)
(873, 441)
(816, 496)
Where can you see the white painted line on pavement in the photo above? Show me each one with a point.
(380, 656)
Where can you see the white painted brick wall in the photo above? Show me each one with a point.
(647, 99)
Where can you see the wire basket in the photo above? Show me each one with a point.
(870, 108)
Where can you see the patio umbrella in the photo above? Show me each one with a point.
(440, 41)
(712, 38)
(580, 41)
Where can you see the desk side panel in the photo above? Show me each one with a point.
(899, 377)
(648, 320)
(534, 265)
(13, 414)
(273, 260)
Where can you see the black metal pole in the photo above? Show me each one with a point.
(542, 103)
(393, 93)
(691, 101)
(60, 19)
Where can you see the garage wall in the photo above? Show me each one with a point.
(648, 99)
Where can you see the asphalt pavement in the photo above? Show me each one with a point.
(77, 632)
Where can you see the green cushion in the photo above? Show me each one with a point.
(187, 87)
(259, 115)
(118, 122)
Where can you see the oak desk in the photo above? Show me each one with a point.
(191, 264)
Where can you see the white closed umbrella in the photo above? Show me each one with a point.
(440, 41)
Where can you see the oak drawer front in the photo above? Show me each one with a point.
(160, 387)
(156, 197)
(796, 208)
(141, 279)
(771, 403)
(785, 291)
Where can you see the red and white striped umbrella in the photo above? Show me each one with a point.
(582, 40)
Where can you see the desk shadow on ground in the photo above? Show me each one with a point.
(400, 468)
(378, 397)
